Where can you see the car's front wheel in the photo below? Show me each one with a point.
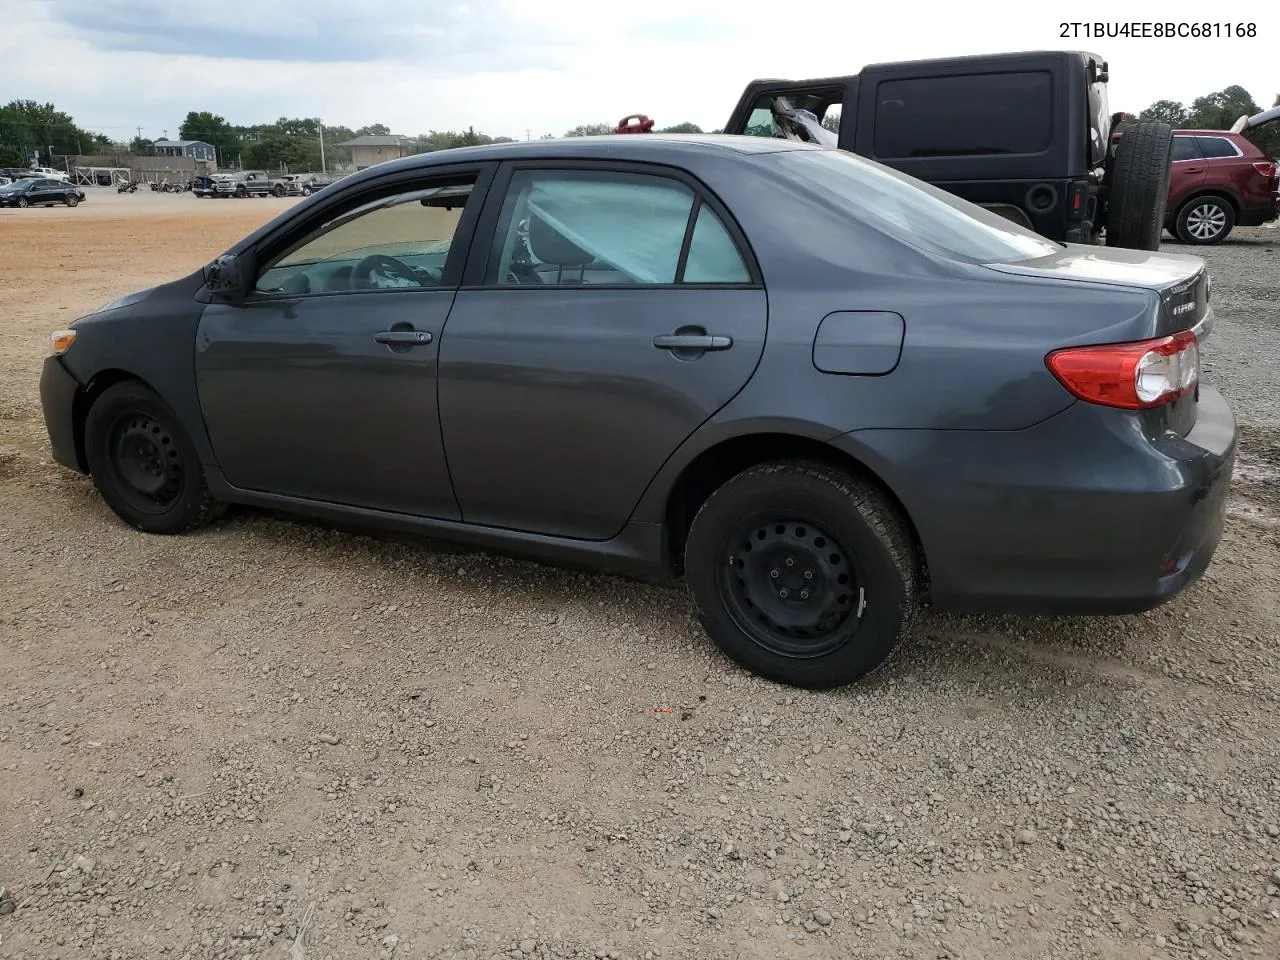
(1205, 220)
(802, 573)
(144, 464)
(72, 200)
(22, 201)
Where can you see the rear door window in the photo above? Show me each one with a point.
(974, 115)
(1184, 148)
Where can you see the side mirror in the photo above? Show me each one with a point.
(225, 277)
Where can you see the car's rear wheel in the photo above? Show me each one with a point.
(802, 573)
(1205, 220)
(1139, 186)
(144, 464)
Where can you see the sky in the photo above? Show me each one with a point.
(527, 68)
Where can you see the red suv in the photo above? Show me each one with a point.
(1218, 179)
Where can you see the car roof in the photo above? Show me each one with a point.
(651, 147)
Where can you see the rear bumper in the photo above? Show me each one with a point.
(1255, 216)
(1082, 513)
(57, 399)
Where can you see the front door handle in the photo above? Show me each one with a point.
(403, 338)
(686, 341)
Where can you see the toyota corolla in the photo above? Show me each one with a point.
(820, 391)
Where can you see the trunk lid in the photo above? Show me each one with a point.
(1182, 282)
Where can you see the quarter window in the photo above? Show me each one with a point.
(977, 115)
(396, 242)
(574, 227)
(1215, 147)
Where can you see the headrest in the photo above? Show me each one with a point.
(551, 246)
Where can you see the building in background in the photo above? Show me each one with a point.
(368, 150)
(192, 149)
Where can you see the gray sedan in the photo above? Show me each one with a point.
(822, 392)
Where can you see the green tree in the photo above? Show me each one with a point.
(685, 127)
(1218, 111)
(591, 130)
(26, 125)
(1166, 111)
(212, 129)
(374, 130)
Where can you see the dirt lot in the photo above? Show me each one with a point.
(210, 743)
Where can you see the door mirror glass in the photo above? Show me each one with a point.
(225, 277)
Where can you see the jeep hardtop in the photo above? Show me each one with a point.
(1025, 134)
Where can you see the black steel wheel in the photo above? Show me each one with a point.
(790, 584)
(143, 463)
(802, 573)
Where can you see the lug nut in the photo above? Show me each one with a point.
(783, 593)
(774, 574)
(791, 561)
(804, 594)
(808, 574)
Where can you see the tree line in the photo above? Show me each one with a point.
(294, 143)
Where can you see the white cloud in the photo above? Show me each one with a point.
(506, 67)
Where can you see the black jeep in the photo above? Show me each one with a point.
(1026, 135)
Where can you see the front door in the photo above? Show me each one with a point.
(616, 312)
(321, 384)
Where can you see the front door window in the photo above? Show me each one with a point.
(396, 242)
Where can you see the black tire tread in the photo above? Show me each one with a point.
(209, 508)
(875, 509)
(1139, 186)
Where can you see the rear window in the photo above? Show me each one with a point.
(916, 212)
(974, 115)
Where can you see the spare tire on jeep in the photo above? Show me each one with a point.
(1139, 186)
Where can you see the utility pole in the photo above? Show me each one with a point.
(323, 168)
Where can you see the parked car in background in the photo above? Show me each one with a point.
(39, 192)
(1218, 180)
(820, 390)
(242, 183)
(1022, 134)
(294, 185)
(49, 173)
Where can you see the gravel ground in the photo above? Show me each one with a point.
(277, 741)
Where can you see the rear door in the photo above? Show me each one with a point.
(608, 311)
(1186, 171)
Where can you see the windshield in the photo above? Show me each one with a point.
(917, 212)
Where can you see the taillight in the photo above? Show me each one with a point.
(1132, 376)
(1266, 167)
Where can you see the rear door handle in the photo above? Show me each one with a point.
(686, 341)
(406, 338)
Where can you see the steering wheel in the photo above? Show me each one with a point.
(398, 273)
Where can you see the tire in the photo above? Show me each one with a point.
(241, 192)
(22, 202)
(846, 539)
(72, 200)
(278, 192)
(1139, 186)
(144, 464)
(306, 191)
(1205, 220)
